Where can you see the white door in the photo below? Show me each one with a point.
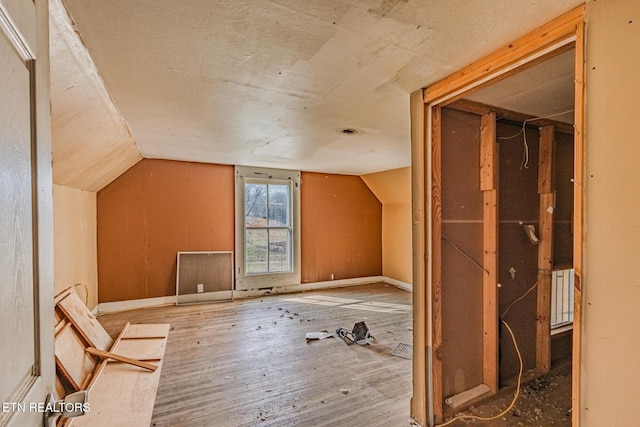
(26, 301)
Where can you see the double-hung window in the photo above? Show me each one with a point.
(267, 228)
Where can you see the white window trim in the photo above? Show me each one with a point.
(268, 280)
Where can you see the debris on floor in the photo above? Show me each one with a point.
(318, 335)
(359, 335)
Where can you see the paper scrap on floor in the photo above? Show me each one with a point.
(318, 335)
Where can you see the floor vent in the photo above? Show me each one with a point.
(403, 350)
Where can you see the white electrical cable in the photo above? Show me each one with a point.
(525, 156)
(515, 396)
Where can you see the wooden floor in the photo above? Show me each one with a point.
(246, 363)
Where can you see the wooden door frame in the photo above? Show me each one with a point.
(555, 36)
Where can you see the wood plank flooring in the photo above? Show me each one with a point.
(246, 363)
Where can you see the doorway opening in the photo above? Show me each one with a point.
(497, 149)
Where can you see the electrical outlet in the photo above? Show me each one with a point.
(200, 287)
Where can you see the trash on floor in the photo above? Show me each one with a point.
(318, 335)
(359, 335)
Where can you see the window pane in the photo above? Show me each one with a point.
(255, 247)
(255, 205)
(278, 205)
(279, 250)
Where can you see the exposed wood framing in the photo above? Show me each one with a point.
(436, 260)
(504, 114)
(537, 41)
(420, 302)
(488, 185)
(567, 30)
(578, 168)
(545, 249)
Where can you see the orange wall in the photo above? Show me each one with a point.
(341, 230)
(160, 207)
(152, 211)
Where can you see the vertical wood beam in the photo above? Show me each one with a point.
(488, 185)
(488, 152)
(418, 189)
(436, 262)
(578, 167)
(545, 249)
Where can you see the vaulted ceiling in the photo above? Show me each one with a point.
(262, 82)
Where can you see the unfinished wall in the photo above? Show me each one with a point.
(611, 289)
(75, 257)
(461, 244)
(393, 189)
(341, 223)
(152, 211)
(518, 257)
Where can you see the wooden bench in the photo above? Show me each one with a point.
(121, 375)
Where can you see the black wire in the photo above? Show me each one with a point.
(463, 252)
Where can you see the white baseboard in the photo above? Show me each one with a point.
(112, 307)
(398, 284)
(132, 304)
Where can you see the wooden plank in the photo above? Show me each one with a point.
(508, 115)
(418, 407)
(109, 355)
(488, 151)
(545, 160)
(436, 262)
(545, 266)
(490, 290)
(577, 225)
(71, 360)
(146, 330)
(85, 322)
(488, 183)
(135, 390)
(467, 395)
(525, 46)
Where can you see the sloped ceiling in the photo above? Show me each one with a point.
(92, 144)
(274, 82)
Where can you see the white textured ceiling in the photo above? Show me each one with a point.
(272, 82)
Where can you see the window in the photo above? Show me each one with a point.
(267, 228)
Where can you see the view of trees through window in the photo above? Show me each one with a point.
(267, 228)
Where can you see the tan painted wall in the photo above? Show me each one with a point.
(611, 334)
(393, 189)
(340, 229)
(75, 258)
(154, 210)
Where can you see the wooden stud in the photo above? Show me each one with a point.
(436, 261)
(488, 151)
(528, 45)
(545, 248)
(418, 409)
(545, 266)
(545, 162)
(488, 183)
(577, 224)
